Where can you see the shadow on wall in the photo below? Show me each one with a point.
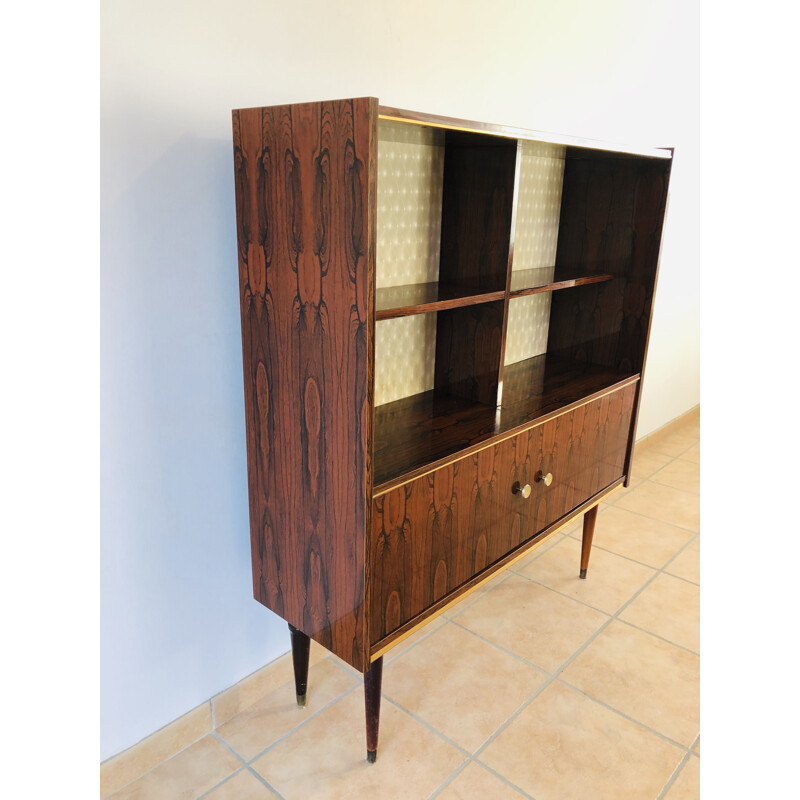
(178, 619)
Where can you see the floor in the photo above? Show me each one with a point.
(539, 685)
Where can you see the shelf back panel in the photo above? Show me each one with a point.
(410, 170)
(612, 216)
(409, 224)
(541, 178)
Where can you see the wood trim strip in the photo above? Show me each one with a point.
(637, 404)
(468, 451)
(556, 285)
(509, 268)
(410, 627)
(437, 305)
(511, 132)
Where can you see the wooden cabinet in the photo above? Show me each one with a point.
(444, 331)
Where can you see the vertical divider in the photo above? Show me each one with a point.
(477, 203)
(507, 297)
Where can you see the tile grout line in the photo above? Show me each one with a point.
(620, 495)
(677, 771)
(694, 534)
(503, 650)
(244, 768)
(608, 613)
(228, 747)
(259, 777)
(550, 677)
(442, 736)
(503, 778)
(510, 569)
(554, 677)
(163, 761)
(566, 663)
(660, 735)
(657, 636)
(221, 783)
(475, 757)
(450, 778)
(303, 723)
(647, 516)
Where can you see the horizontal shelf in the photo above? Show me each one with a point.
(420, 298)
(415, 433)
(537, 281)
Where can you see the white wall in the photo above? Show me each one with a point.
(178, 619)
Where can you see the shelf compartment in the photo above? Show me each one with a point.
(536, 281)
(417, 433)
(420, 298)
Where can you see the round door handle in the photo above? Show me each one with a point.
(542, 478)
(525, 490)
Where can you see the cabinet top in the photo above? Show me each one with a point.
(511, 132)
(493, 129)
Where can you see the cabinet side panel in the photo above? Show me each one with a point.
(306, 270)
(612, 215)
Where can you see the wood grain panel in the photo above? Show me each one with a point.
(477, 205)
(305, 206)
(432, 535)
(612, 215)
(416, 432)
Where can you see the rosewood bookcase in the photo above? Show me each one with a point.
(444, 333)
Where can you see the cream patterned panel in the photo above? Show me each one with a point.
(410, 170)
(535, 241)
(405, 350)
(528, 320)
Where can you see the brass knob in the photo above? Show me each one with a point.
(525, 490)
(545, 479)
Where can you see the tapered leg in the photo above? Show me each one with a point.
(301, 646)
(372, 701)
(589, 519)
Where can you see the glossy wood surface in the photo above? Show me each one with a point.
(373, 678)
(589, 520)
(301, 651)
(521, 551)
(477, 200)
(428, 429)
(540, 280)
(305, 211)
(612, 214)
(421, 298)
(434, 534)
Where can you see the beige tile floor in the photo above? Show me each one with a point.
(540, 685)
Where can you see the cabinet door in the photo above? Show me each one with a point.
(435, 533)
(583, 450)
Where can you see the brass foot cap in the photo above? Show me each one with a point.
(301, 699)
(583, 573)
(371, 756)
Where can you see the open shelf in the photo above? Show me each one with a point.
(536, 281)
(420, 298)
(414, 434)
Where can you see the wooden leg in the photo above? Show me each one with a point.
(372, 701)
(301, 646)
(589, 519)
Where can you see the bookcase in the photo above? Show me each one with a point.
(444, 335)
